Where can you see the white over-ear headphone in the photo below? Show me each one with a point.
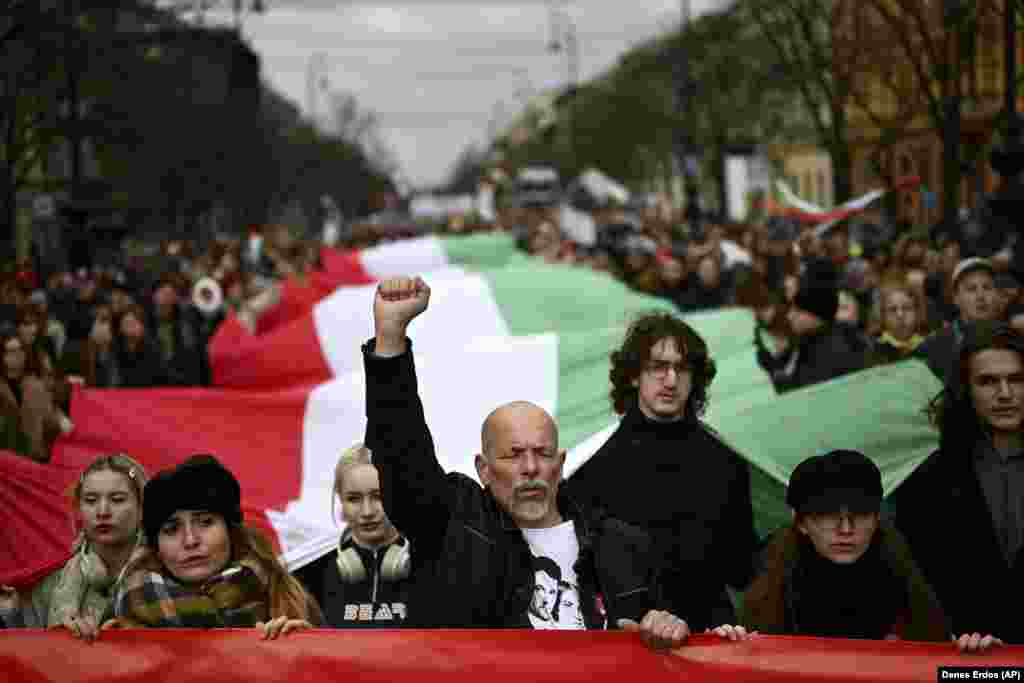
(394, 567)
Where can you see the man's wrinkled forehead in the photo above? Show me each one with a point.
(528, 431)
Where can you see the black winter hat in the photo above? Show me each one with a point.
(826, 483)
(819, 290)
(199, 483)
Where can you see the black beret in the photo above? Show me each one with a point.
(826, 483)
(199, 483)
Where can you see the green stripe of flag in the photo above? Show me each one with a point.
(878, 411)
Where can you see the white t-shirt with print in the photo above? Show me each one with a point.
(556, 598)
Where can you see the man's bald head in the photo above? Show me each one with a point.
(510, 415)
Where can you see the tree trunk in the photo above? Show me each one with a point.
(8, 218)
(842, 158)
(951, 163)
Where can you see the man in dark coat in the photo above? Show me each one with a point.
(664, 470)
(477, 548)
(181, 346)
(976, 299)
(820, 350)
(962, 510)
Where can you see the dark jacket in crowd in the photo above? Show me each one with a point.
(939, 349)
(819, 357)
(881, 595)
(691, 492)
(942, 511)
(472, 564)
(181, 346)
(139, 369)
(98, 368)
(206, 327)
(376, 602)
(696, 296)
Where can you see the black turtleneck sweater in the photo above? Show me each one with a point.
(691, 492)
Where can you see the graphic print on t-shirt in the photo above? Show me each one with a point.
(556, 598)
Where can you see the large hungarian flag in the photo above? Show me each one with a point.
(500, 327)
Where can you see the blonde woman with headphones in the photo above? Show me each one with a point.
(364, 582)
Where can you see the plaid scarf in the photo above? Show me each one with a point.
(151, 597)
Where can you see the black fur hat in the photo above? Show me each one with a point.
(199, 483)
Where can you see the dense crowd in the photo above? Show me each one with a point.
(145, 322)
(523, 547)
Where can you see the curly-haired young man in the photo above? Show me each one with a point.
(665, 470)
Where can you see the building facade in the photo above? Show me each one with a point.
(897, 103)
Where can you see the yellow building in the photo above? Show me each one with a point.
(890, 131)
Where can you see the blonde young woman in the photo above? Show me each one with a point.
(201, 566)
(901, 315)
(106, 507)
(364, 583)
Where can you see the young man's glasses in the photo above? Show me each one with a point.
(660, 368)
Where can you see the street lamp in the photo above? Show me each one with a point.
(564, 40)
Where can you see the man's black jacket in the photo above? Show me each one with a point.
(822, 356)
(942, 512)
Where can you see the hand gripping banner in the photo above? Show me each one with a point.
(224, 656)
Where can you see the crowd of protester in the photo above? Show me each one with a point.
(828, 300)
(145, 322)
(173, 551)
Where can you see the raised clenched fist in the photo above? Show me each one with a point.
(397, 302)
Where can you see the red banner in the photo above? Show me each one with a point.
(222, 656)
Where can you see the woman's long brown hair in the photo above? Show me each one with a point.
(286, 595)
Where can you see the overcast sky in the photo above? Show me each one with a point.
(440, 75)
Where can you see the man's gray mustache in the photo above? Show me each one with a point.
(532, 485)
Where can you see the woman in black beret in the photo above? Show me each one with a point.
(202, 567)
(838, 570)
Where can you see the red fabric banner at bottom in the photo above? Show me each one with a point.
(222, 656)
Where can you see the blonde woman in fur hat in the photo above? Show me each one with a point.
(364, 582)
(107, 511)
